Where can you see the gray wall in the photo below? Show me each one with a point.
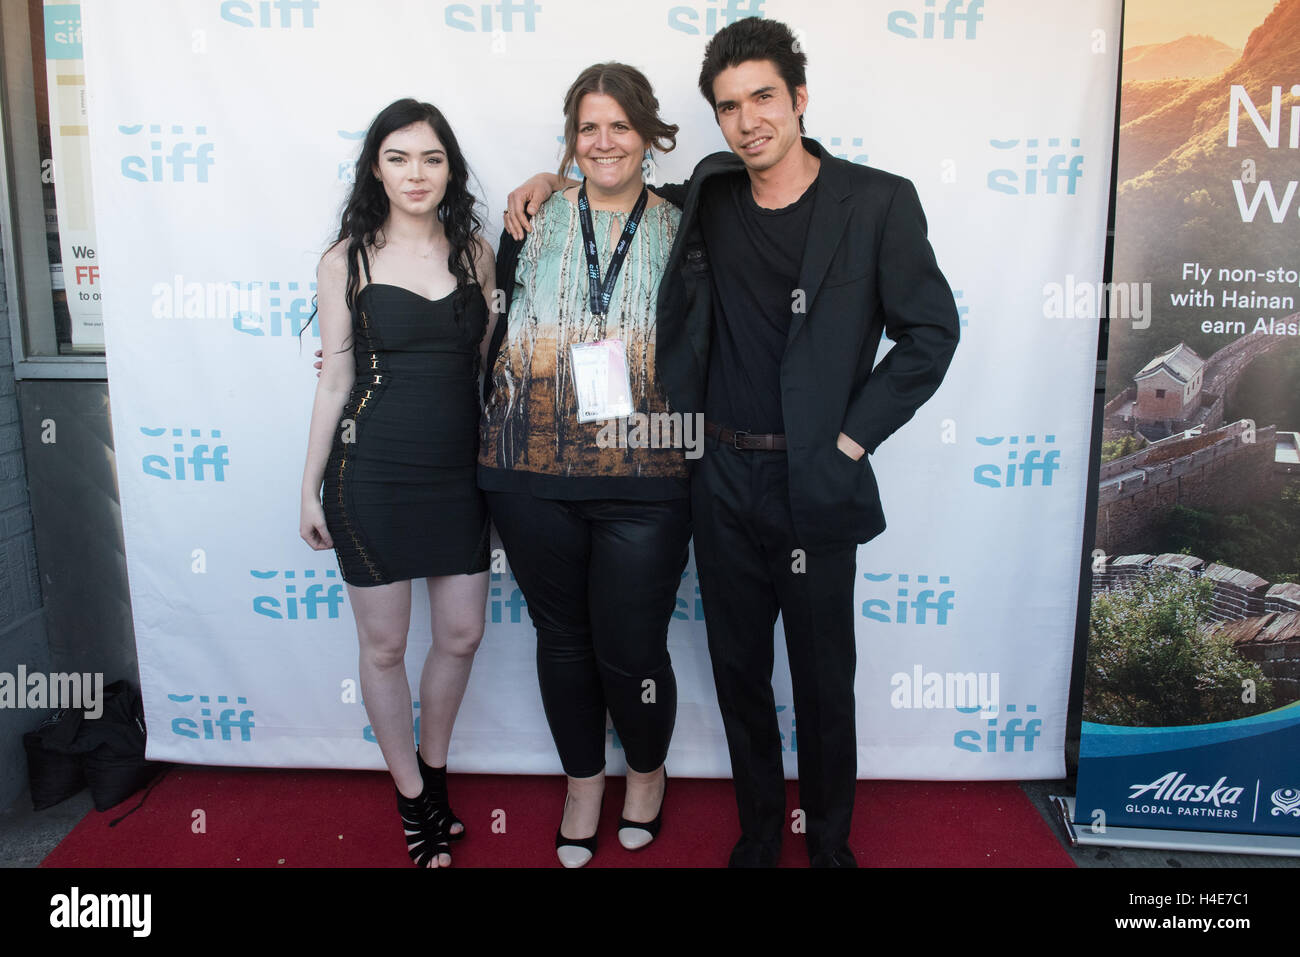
(59, 513)
(23, 638)
(78, 524)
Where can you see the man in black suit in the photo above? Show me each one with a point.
(788, 266)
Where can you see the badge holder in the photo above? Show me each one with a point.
(600, 380)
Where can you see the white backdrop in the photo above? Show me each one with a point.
(222, 137)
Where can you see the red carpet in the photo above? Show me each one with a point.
(270, 817)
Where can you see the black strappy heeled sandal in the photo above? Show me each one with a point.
(435, 785)
(425, 840)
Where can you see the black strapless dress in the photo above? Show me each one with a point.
(400, 493)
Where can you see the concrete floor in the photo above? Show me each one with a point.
(1039, 792)
(27, 836)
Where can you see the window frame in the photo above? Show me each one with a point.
(28, 288)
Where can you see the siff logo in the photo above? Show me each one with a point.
(925, 601)
(225, 721)
(198, 459)
(793, 744)
(368, 732)
(684, 611)
(163, 166)
(575, 172)
(963, 310)
(63, 31)
(903, 22)
(288, 308)
(687, 19)
(293, 13)
(347, 170)
(1014, 728)
(291, 606)
(836, 148)
(1058, 165)
(1033, 463)
(499, 607)
(493, 16)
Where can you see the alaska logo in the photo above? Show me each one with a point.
(1170, 787)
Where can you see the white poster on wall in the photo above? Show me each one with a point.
(70, 150)
(220, 162)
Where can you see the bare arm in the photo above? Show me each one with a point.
(524, 201)
(485, 270)
(332, 390)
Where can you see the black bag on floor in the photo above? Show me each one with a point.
(54, 771)
(109, 750)
(115, 764)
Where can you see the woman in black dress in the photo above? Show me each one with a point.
(403, 311)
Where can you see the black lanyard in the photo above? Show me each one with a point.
(600, 293)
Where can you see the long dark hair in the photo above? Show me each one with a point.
(367, 206)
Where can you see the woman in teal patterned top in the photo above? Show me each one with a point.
(595, 526)
(533, 440)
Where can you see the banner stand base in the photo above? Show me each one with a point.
(1220, 842)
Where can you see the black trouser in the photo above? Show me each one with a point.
(600, 578)
(745, 552)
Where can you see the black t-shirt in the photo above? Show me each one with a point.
(755, 254)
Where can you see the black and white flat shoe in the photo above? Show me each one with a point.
(574, 851)
(635, 835)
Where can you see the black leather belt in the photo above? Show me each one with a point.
(745, 441)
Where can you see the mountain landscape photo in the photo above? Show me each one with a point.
(1176, 200)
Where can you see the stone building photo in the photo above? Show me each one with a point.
(1199, 502)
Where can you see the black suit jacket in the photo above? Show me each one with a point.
(868, 269)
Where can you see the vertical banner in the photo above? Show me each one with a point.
(1192, 699)
(221, 159)
(70, 149)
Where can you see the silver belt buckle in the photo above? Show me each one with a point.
(735, 439)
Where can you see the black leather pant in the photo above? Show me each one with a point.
(600, 578)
